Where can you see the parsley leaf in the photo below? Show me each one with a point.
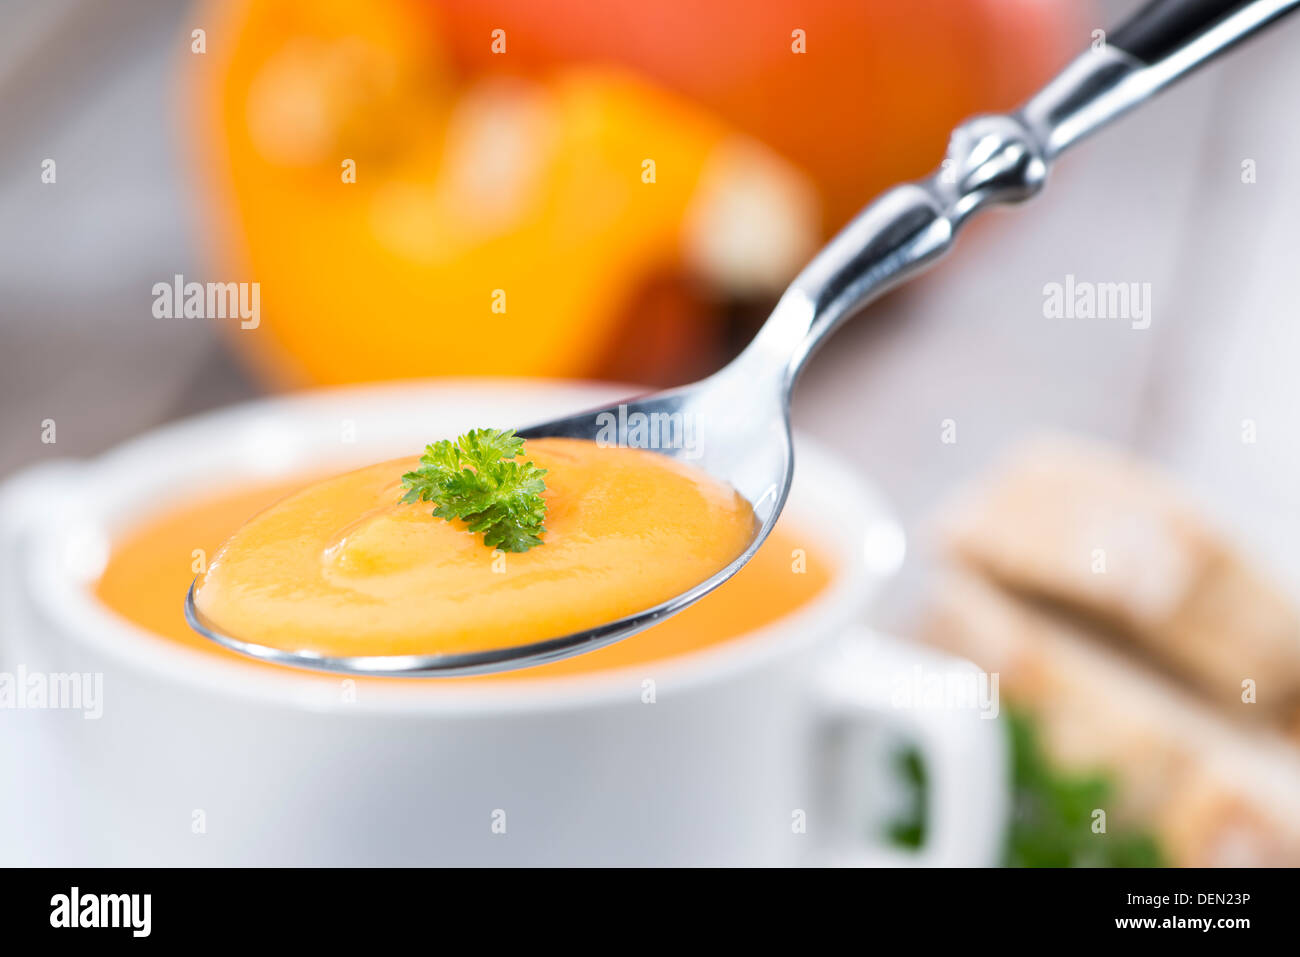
(478, 479)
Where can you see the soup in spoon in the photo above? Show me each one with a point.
(344, 568)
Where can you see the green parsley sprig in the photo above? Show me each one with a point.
(478, 480)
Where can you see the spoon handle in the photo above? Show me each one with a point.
(994, 159)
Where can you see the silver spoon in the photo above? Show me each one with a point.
(736, 423)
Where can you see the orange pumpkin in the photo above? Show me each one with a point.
(868, 103)
(579, 202)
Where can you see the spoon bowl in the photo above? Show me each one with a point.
(692, 424)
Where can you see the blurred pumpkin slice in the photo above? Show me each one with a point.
(307, 83)
(500, 226)
(859, 94)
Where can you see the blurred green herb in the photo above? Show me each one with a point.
(908, 829)
(1051, 822)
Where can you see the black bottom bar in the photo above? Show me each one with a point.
(925, 906)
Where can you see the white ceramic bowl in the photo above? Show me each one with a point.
(198, 760)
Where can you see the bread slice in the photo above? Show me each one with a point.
(1213, 792)
(1084, 526)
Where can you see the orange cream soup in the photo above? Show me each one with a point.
(343, 568)
(151, 566)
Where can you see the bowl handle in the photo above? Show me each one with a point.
(945, 707)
